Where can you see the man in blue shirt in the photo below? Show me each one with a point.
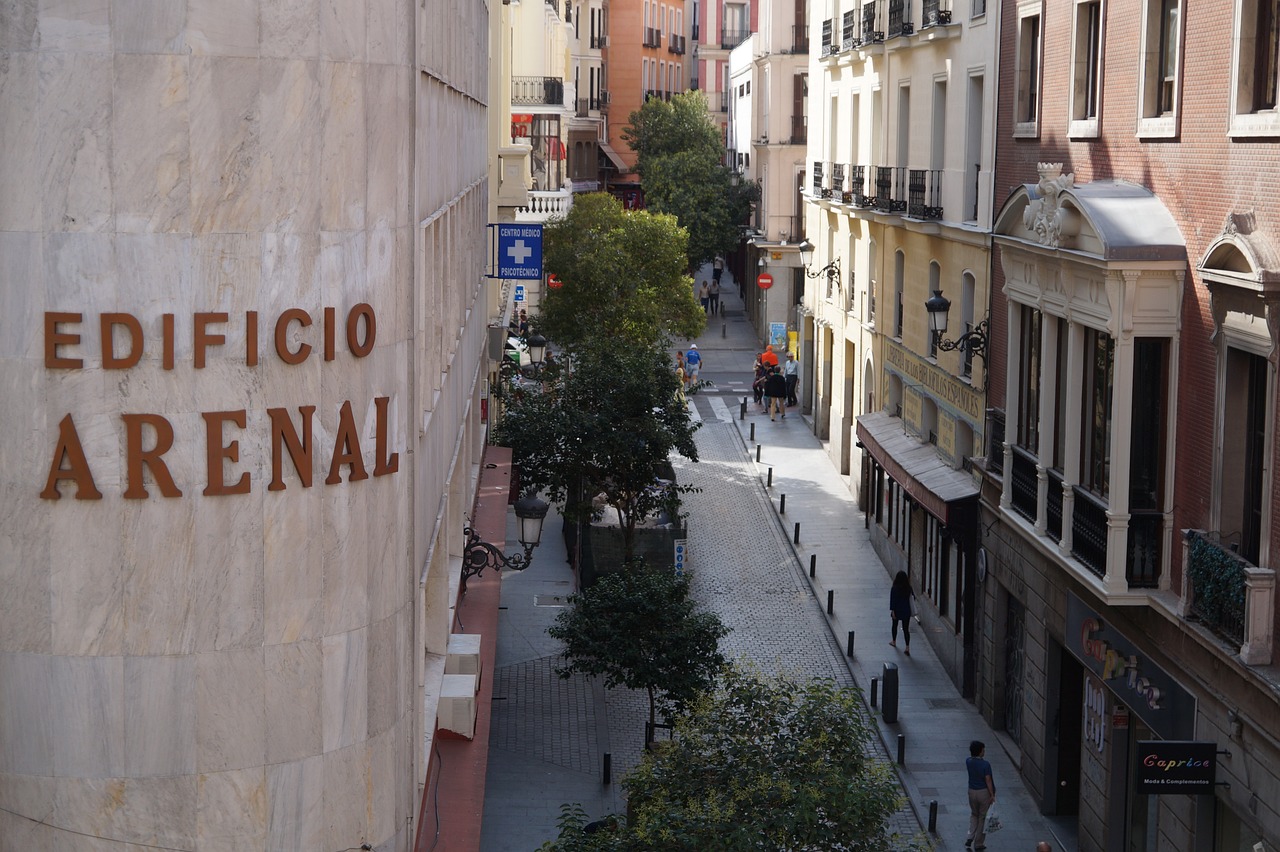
(693, 364)
(982, 795)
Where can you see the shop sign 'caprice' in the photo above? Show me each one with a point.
(69, 462)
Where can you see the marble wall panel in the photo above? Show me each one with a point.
(80, 276)
(388, 137)
(293, 571)
(341, 274)
(75, 25)
(159, 716)
(224, 107)
(27, 624)
(87, 715)
(86, 587)
(149, 26)
(342, 146)
(389, 33)
(75, 141)
(26, 726)
(222, 27)
(228, 583)
(342, 30)
(153, 275)
(345, 784)
(230, 699)
(346, 568)
(162, 612)
(294, 673)
(288, 171)
(383, 691)
(390, 583)
(149, 811)
(30, 798)
(295, 793)
(231, 810)
(345, 709)
(22, 165)
(290, 29)
(19, 24)
(381, 805)
(150, 144)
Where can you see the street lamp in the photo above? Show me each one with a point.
(831, 271)
(537, 345)
(973, 342)
(479, 554)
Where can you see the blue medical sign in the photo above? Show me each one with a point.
(519, 251)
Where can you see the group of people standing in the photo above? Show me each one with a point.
(775, 384)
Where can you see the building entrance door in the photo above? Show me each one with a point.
(1065, 732)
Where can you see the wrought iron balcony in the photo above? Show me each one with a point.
(599, 42)
(799, 39)
(1217, 579)
(837, 181)
(891, 189)
(652, 37)
(799, 129)
(848, 26)
(817, 179)
(1145, 549)
(604, 100)
(869, 34)
(537, 90)
(936, 13)
(724, 101)
(858, 188)
(1024, 484)
(828, 38)
(729, 39)
(587, 105)
(1053, 508)
(995, 441)
(1089, 531)
(924, 191)
(900, 19)
(675, 44)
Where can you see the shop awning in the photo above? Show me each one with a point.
(915, 466)
(613, 156)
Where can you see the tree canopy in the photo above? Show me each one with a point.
(639, 628)
(681, 162)
(623, 275)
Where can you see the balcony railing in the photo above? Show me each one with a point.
(729, 39)
(937, 13)
(995, 441)
(587, 105)
(900, 19)
(1145, 549)
(537, 90)
(837, 181)
(1024, 484)
(652, 37)
(696, 34)
(817, 179)
(604, 100)
(599, 42)
(869, 34)
(675, 44)
(848, 26)
(1089, 531)
(799, 129)
(924, 191)
(891, 189)
(654, 94)
(1218, 585)
(858, 195)
(828, 38)
(543, 206)
(799, 39)
(724, 101)
(1053, 510)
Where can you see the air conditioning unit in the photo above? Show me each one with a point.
(456, 711)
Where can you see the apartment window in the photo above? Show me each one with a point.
(899, 271)
(1027, 113)
(1257, 68)
(1159, 82)
(1029, 374)
(1099, 351)
(1086, 69)
(1243, 448)
(968, 287)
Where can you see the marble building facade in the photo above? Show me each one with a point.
(244, 313)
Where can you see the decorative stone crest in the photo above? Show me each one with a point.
(1052, 223)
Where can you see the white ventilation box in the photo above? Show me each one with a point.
(457, 710)
(463, 656)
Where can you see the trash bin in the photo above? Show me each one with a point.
(889, 692)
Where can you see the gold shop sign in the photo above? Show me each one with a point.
(940, 384)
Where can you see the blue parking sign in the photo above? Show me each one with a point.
(520, 251)
(519, 293)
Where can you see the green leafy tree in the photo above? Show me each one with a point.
(638, 628)
(681, 164)
(623, 275)
(608, 425)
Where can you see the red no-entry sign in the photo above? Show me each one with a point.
(764, 281)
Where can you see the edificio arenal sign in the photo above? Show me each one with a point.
(122, 347)
(1175, 766)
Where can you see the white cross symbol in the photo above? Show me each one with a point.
(519, 252)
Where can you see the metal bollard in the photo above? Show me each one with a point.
(770, 483)
(782, 505)
(902, 749)
(848, 648)
(831, 601)
(753, 431)
(796, 537)
(608, 767)
(889, 681)
(742, 410)
(724, 329)
(875, 689)
(813, 563)
(933, 816)
(757, 448)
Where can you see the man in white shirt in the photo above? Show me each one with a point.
(791, 371)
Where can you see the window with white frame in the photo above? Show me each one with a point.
(1086, 69)
(1158, 83)
(968, 286)
(1256, 73)
(1243, 450)
(1027, 106)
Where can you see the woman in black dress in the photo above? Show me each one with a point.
(901, 603)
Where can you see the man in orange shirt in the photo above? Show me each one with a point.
(768, 358)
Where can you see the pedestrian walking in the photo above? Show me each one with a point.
(902, 604)
(680, 365)
(982, 795)
(717, 269)
(791, 372)
(757, 383)
(693, 364)
(775, 389)
(704, 296)
(714, 291)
